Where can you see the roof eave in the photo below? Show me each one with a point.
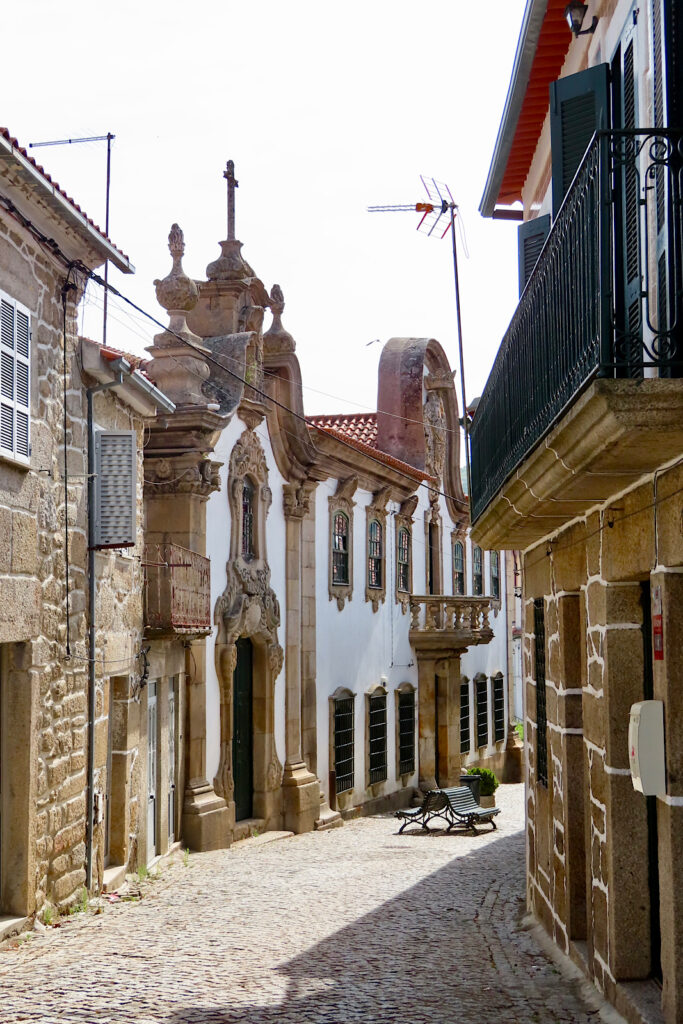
(524, 57)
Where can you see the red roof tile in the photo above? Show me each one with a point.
(41, 170)
(357, 426)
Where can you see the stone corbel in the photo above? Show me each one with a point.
(295, 501)
(192, 473)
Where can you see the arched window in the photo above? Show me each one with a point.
(340, 548)
(495, 575)
(248, 499)
(477, 572)
(458, 568)
(375, 554)
(403, 559)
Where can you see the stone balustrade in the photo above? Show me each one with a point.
(449, 622)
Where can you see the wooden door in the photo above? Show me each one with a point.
(243, 731)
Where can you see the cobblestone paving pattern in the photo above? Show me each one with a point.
(356, 924)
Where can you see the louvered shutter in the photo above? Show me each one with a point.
(15, 380)
(579, 106)
(531, 236)
(115, 489)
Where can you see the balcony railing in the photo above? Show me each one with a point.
(177, 590)
(449, 621)
(604, 299)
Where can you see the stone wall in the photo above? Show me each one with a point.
(44, 686)
(590, 868)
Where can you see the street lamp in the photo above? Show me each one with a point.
(575, 14)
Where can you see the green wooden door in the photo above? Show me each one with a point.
(243, 731)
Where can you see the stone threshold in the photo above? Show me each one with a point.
(11, 926)
(260, 839)
(638, 1002)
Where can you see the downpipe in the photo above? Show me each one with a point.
(90, 393)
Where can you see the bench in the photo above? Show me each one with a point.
(435, 804)
(464, 810)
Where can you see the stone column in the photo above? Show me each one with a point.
(301, 789)
(448, 671)
(426, 670)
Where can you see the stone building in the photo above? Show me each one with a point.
(56, 679)
(577, 452)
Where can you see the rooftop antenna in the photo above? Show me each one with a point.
(108, 138)
(440, 210)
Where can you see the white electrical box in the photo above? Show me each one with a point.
(646, 747)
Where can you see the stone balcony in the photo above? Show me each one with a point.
(177, 590)
(443, 625)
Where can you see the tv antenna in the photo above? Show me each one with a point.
(440, 210)
(108, 138)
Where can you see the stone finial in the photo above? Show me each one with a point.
(176, 292)
(276, 338)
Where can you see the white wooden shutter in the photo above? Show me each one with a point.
(115, 489)
(15, 380)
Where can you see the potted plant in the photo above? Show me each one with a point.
(488, 785)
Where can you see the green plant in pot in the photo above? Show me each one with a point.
(489, 782)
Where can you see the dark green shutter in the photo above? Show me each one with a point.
(579, 106)
(531, 236)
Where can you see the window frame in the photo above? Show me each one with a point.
(341, 501)
(340, 514)
(465, 712)
(376, 736)
(249, 486)
(406, 760)
(459, 574)
(477, 577)
(13, 404)
(375, 561)
(494, 559)
(376, 512)
(403, 563)
(342, 696)
(404, 521)
(498, 701)
(481, 687)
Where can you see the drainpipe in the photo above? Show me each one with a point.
(90, 392)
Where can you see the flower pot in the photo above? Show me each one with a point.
(488, 801)
(473, 782)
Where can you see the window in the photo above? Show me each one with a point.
(495, 575)
(498, 707)
(15, 380)
(482, 711)
(375, 554)
(465, 716)
(477, 572)
(343, 744)
(248, 494)
(377, 724)
(458, 568)
(403, 560)
(340, 548)
(406, 731)
(541, 720)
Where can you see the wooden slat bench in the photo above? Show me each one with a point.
(464, 810)
(435, 804)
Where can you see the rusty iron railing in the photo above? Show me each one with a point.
(177, 589)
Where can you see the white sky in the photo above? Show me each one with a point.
(325, 109)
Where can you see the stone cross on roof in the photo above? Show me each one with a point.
(229, 175)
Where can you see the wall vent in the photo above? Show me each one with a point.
(115, 489)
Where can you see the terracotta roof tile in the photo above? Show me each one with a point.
(41, 170)
(357, 426)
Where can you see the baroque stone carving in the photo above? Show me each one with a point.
(376, 511)
(404, 521)
(296, 501)
(435, 435)
(196, 475)
(276, 339)
(342, 501)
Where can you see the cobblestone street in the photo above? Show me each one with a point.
(356, 924)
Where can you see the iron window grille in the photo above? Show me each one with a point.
(377, 709)
(458, 568)
(482, 712)
(343, 744)
(406, 733)
(477, 572)
(495, 575)
(403, 561)
(498, 707)
(541, 717)
(375, 554)
(248, 494)
(340, 549)
(465, 717)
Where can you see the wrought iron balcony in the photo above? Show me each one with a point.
(604, 300)
(442, 623)
(177, 591)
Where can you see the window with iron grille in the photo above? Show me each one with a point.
(15, 380)
(340, 548)
(482, 712)
(343, 744)
(377, 714)
(406, 732)
(458, 568)
(375, 554)
(498, 707)
(248, 495)
(403, 560)
(495, 574)
(477, 572)
(465, 716)
(541, 719)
